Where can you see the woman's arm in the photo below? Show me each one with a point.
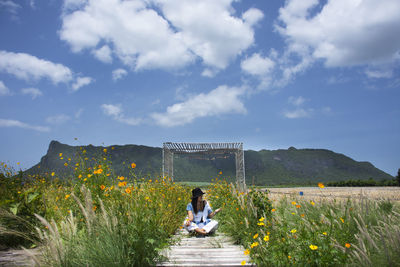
(212, 214)
(190, 217)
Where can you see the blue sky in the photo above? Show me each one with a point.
(270, 74)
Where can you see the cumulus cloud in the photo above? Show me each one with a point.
(118, 74)
(259, 66)
(33, 92)
(341, 32)
(27, 67)
(159, 33)
(297, 113)
(103, 54)
(19, 124)
(81, 81)
(222, 100)
(252, 16)
(296, 101)
(115, 112)
(4, 89)
(58, 119)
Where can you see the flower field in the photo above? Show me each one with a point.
(97, 218)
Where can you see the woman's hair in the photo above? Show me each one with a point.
(194, 204)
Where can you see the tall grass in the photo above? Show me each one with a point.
(307, 233)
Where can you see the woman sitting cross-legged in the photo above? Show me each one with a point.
(200, 214)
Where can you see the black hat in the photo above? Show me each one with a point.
(197, 192)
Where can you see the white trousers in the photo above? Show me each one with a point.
(210, 227)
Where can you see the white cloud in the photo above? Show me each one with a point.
(28, 67)
(257, 65)
(379, 73)
(78, 114)
(15, 123)
(148, 34)
(252, 16)
(222, 100)
(297, 113)
(342, 32)
(296, 101)
(118, 74)
(81, 81)
(4, 89)
(115, 111)
(33, 92)
(209, 73)
(58, 119)
(11, 7)
(103, 54)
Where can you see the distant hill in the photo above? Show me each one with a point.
(265, 167)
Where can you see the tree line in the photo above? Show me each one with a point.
(369, 182)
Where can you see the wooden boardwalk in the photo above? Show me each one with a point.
(216, 250)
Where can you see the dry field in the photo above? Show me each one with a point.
(378, 193)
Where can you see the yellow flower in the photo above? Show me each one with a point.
(312, 202)
(65, 164)
(255, 244)
(105, 150)
(133, 165)
(246, 252)
(89, 175)
(342, 220)
(261, 219)
(77, 164)
(293, 213)
(255, 236)
(80, 176)
(293, 231)
(289, 257)
(266, 238)
(347, 245)
(273, 210)
(67, 196)
(102, 187)
(121, 178)
(313, 247)
(260, 224)
(220, 173)
(243, 263)
(85, 179)
(121, 184)
(128, 190)
(60, 154)
(321, 185)
(53, 173)
(293, 203)
(18, 163)
(325, 233)
(69, 159)
(112, 148)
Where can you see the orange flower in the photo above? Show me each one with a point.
(102, 187)
(302, 215)
(347, 245)
(342, 220)
(273, 210)
(133, 165)
(128, 190)
(60, 154)
(298, 206)
(67, 196)
(321, 185)
(255, 236)
(121, 178)
(94, 208)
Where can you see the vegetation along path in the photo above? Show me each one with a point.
(215, 250)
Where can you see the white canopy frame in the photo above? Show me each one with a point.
(170, 149)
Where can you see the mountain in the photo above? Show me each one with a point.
(264, 167)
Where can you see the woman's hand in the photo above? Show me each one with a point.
(188, 222)
(217, 210)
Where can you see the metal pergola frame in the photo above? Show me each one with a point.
(170, 149)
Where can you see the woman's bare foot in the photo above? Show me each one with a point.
(200, 231)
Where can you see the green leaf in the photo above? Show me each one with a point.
(32, 197)
(14, 208)
(151, 241)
